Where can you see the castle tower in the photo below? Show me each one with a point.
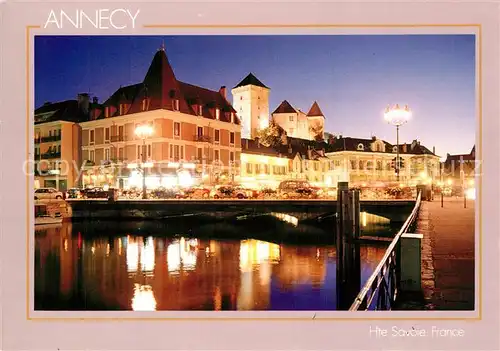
(316, 122)
(251, 102)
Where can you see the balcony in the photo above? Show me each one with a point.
(50, 138)
(116, 138)
(202, 138)
(49, 155)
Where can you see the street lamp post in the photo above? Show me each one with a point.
(144, 131)
(397, 116)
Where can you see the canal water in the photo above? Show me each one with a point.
(147, 266)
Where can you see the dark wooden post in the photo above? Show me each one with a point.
(348, 256)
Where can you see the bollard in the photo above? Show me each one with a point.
(410, 262)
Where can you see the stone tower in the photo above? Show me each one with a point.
(251, 102)
(316, 122)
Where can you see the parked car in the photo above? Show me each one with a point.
(197, 193)
(73, 193)
(48, 194)
(95, 193)
(229, 192)
(289, 189)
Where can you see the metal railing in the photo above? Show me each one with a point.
(381, 289)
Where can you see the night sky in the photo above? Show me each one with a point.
(353, 77)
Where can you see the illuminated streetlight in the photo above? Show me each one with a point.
(143, 132)
(471, 182)
(397, 116)
(450, 181)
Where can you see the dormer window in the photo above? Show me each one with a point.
(106, 112)
(232, 117)
(121, 109)
(200, 110)
(176, 105)
(360, 147)
(217, 114)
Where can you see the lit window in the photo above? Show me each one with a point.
(232, 117)
(177, 129)
(92, 136)
(231, 138)
(291, 118)
(176, 105)
(217, 114)
(217, 136)
(106, 112)
(200, 110)
(216, 155)
(249, 168)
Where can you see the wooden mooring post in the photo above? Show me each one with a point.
(348, 255)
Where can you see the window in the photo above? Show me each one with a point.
(59, 149)
(139, 151)
(106, 112)
(145, 104)
(217, 136)
(120, 133)
(120, 153)
(121, 109)
(217, 114)
(200, 110)
(360, 164)
(50, 133)
(257, 169)
(200, 154)
(290, 131)
(176, 152)
(91, 136)
(353, 164)
(106, 154)
(361, 147)
(249, 168)
(106, 134)
(149, 150)
(91, 155)
(231, 156)
(216, 155)
(379, 165)
(200, 131)
(395, 149)
(266, 169)
(176, 105)
(241, 97)
(177, 129)
(232, 117)
(231, 138)
(290, 118)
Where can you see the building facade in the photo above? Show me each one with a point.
(251, 102)
(298, 124)
(57, 140)
(195, 133)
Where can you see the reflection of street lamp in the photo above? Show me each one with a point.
(143, 132)
(397, 117)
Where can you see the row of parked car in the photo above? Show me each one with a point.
(291, 189)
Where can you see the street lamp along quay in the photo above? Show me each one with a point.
(143, 131)
(397, 116)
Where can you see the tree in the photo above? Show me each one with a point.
(317, 131)
(273, 135)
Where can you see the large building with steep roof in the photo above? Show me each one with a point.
(251, 102)
(298, 124)
(194, 129)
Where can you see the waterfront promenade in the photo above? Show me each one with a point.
(448, 254)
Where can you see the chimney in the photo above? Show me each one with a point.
(374, 137)
(246, 143)
(83, 102)
(95, 100)
(222, 91)
(290, 151)
(434, 150)
(404, 147)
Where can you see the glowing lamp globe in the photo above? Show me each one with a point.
(144, 131)
(396, 115)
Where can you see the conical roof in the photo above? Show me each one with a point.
(250, 80)
(315, 111)
(285, 107)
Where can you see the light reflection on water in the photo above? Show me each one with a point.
(74, 271)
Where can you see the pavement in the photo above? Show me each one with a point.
(448, 269)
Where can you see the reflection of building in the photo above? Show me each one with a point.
(301, 265)
(256, 261)
(57, 142)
